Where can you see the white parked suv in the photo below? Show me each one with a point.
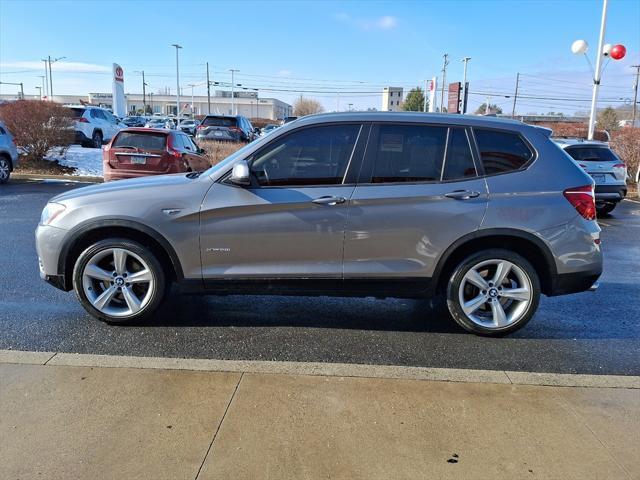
(94, 125)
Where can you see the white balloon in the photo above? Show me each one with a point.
(606, 50)
(579, 47)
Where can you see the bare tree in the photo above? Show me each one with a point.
(306, 106)
(38, 126)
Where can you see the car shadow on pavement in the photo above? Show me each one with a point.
(293, 311)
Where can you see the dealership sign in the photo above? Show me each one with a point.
(119, 103)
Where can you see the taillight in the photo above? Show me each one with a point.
(200, 127)
(236, 129)
(170, 148)
(620, 171)
(583, 200)
(83, 120)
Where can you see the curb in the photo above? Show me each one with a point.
(321, 369)
(60, 178)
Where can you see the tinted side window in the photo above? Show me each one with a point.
(2, 132)
(409, 153)
(501, 151)
(313, 156)
(459, 163)
(186, 142)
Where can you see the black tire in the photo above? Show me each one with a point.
(605, 209)
(454, 284)
(5, 169)
(96, 139)
(155, 267)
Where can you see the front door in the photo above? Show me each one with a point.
(419, 192)
(290, 222)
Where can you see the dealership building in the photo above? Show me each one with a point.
(248, 104)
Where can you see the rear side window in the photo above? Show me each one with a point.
(409, 153)
(459, 163)
(150, 141)
(592, 154)
(77, 112)
(2, 132)
(501, 151)
(312, 156)
(98, 114)
(220, 122)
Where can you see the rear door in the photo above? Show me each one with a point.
(289, 223)
(139, 151)
(418, 192)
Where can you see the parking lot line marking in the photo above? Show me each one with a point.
(337, 370)
(631, 200)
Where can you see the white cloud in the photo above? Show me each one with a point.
(386, 22)
(285, 73)
(60, 66)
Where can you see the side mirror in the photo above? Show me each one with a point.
(201, 151)
(240, 174)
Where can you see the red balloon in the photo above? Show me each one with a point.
(618, 52)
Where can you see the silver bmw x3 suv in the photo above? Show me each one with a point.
(487, 213)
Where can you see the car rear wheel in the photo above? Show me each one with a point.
(119, 281)
(493, 292)
(96, 139)
(605, 208)
(5, 170)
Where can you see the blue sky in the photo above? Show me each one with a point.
(330, 46)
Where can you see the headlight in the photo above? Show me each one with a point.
(51, 212)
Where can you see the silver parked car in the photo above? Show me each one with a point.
(605, 167)
(8, 153)
(349, 204)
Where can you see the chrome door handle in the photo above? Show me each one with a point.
(329, 200)
(462, 194)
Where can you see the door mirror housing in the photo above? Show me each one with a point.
(240, 174)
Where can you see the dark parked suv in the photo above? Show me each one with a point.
(225, 128)
(489, 213)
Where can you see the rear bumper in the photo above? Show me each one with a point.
(610, 193)
(566, 283)
(226, 137)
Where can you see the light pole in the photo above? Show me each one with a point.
(445, 62)
(39, 91)
(178, 47)
(192, 107)
(46, 75)
(144, 92)
(635, 99)
(465, 60)
(233, 101)
(617, 52)
(18, 85)
(43, 90)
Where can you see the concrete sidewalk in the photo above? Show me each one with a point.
(97, 422)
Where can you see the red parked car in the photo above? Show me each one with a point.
(137, 152)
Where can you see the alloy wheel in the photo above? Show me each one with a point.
(495, 293)
(4, 170)
(117, 282)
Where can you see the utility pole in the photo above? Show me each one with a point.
(144, 94)
(424, 102)
(597, 73)
(233, 99)
(445, 62)
(21, 96)
(465, 60)
(50, 75)
(486, 108)
(635, 95)
(178, 47)
(515, 96)
(43, 90)
(208, 91)
(46, 75)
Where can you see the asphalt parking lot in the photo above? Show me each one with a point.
(596, 333)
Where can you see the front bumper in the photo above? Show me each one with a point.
(610, 193)
(49, 242)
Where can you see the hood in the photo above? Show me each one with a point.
(139, 185)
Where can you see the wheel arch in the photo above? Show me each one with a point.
(523, 243)
(86, 234)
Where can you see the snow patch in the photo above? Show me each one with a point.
(86, 161)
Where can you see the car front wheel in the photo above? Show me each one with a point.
(493, 292)
(119, 281)
(5, 170)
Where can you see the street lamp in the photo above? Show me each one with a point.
(617, 52)
(192, 108)
(49, 61)
(178, 47)
(39, 91)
